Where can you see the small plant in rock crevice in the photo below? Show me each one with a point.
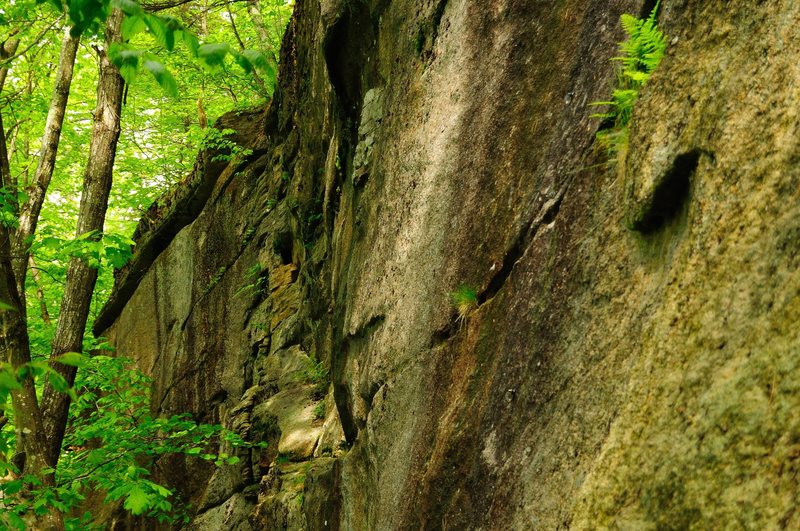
(316, 373)
(284, 459)
(640, 55)
(319, 410)
(464, 300)
(216, 278)
(257, 282)
(226, 149)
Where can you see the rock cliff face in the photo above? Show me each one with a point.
(633, 357)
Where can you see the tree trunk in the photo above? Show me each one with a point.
(261, 28)
(5, 168)
(29, 214)
(30, 437)
(13, 329)
(15, 346)
(39, 292)
(81, 277)
(7, 49)
(256, 77)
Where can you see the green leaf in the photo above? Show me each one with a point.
(129, 7)
(260, 62)
(128, 73)
(242, 61)
(11, 487)
(15, 521)
(132, 25)
(59, 383)
(163, 77)
(73, 359)
(189, 40)
(163, 34)
(86, 236)
(6, 306)
(159, 489)
(137, 500)
(213, 54)
(126, 58)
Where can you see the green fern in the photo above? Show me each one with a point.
(640, 55)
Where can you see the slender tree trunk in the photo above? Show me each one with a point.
(30, 437)
(256, 77)
(39, 292)
(202, 118)
(81, 278)
(26, 144)
(261, 28)
(7, 49)
(15, 347)
(29, 214)
(12, 146)
(204, 19)
(5, 168)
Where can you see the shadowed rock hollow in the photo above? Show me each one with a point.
(632, 362)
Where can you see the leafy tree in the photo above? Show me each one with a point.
(111, 438)
(159, 66)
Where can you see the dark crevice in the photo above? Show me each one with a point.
(369, 396)
(671, 196)
(547, 214)
(341, 389)
(606, 124)
(368, 328)
(438, 13)
(341, 397)
(445, 333)
(648, 7)
(218, 398)
(347, 45)
(428, 31)
(283, 245)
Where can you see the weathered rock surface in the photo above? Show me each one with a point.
(633, 362)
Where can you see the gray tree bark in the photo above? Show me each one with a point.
(29, 213)
(7, 49)
(81, 278)
(15, 348)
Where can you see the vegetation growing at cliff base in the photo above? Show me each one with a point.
(109, 444)
(640, 55)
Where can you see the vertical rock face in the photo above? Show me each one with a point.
(632, 357)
